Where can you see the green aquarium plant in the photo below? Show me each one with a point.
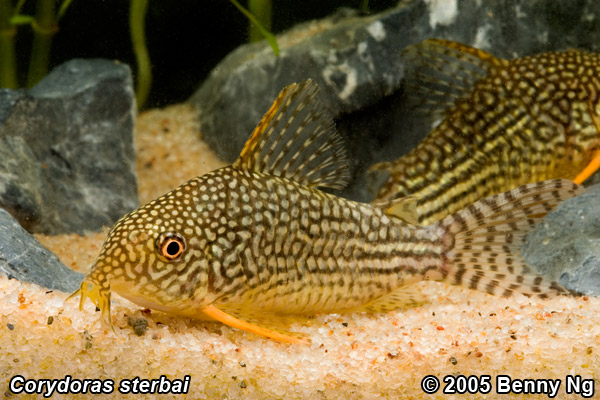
(44, 25)
(8, 30)
(262, 10)
(137, 16)
(260, 21)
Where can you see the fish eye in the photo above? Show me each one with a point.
(170, 246)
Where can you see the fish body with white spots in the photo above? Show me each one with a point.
(498, 124)
(259, 238)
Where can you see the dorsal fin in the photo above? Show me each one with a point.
(440, 72)
(296, 139)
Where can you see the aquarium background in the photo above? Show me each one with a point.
(185, 39)
(76, 143)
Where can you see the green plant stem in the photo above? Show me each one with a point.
(262, 10)
(63, 9)
(18, 7)
(44, 28)
(268, 35)
(364, 7)
(137, 16)
(8, 66)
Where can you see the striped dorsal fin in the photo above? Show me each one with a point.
(440, 72)
(296, 139)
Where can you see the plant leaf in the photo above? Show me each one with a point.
(63, 8)
(268, 35)
(21, 19)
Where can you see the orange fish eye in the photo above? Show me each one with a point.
(170, 245)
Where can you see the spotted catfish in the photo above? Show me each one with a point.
(258, 239)
(500, 124)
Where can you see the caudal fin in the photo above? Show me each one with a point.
(485, 238)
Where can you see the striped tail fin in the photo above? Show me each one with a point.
(485, 238)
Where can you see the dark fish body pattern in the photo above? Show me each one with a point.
(502, 123)
(259, 239)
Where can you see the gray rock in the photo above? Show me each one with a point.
(565, 246)
(24, 258)
(356, 61)
(67, 162)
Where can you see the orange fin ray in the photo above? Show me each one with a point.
(589, 169)
(216, 313)
(594, 164)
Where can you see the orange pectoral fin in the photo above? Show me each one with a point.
(594, 164)
(221, 316)
(589, 169)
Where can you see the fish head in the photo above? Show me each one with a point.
(156, 256)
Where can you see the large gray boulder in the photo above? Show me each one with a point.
(67, 162)
(565, 246)
(22, 257)
(356, 61)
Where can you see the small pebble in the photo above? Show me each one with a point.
(139, 325)
(453, 360)
(88, 339)
(243, 384)
(10, 326)
(50, 320)
(242, 364)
